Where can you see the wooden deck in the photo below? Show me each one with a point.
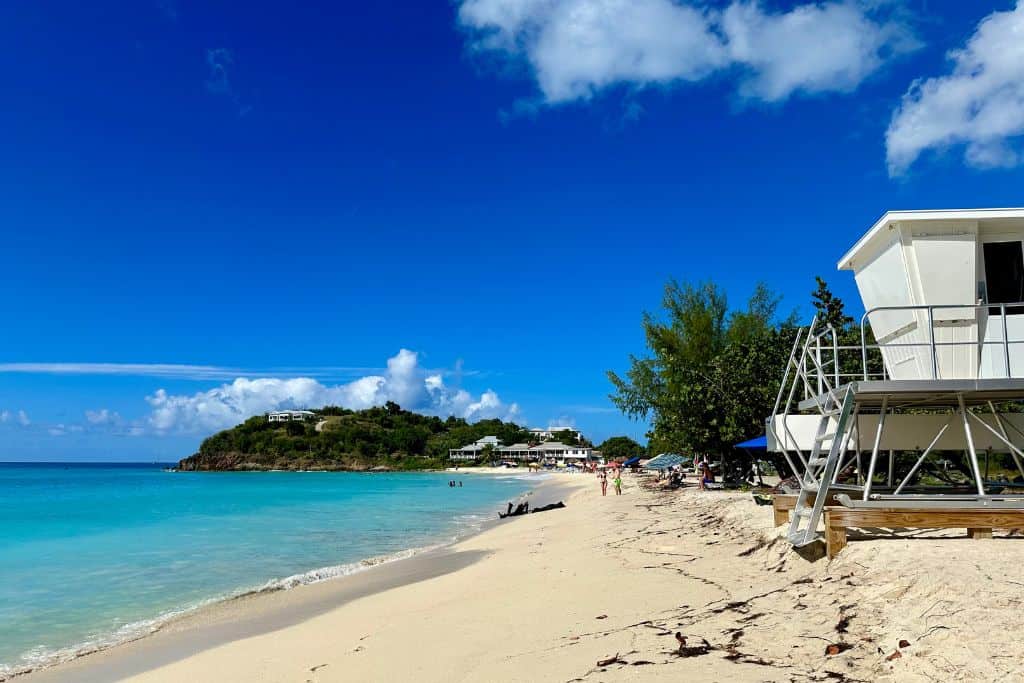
(978, 522)
(783, 504)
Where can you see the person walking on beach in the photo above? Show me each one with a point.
(603, 478)
(618, 483)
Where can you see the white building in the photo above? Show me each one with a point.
(517, 451)
(474, 450)
(549, 433)
(549, 450)
(556, 450)
(290, 415)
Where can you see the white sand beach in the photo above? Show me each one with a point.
(547, 597)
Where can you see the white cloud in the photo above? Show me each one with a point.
(576, 48)
(22, 418)
(403, 382)
(813, 48)
(177, 370)
(61, 429)
(979, 104)
(102, 417)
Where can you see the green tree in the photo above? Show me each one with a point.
(712, 375)
(829, 307)
(620, 447)
(566, 436)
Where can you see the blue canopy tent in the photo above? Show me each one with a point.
(631, 462)
(757, 447)
(665, 461)
(757, 444)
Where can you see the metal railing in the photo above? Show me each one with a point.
(826, 363)
(832, 361)
(933, 345)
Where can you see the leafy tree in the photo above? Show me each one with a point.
(712, 375)
(829, 307)
(620, 447)
(831, 310)
(566, 436)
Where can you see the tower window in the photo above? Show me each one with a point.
(1004, 275)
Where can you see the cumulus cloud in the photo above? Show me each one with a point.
(404, 381)
(979, 104)
(813, 48)
(576, 48)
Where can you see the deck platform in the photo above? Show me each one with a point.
(978, 522)
(927, 393)
(785, 503)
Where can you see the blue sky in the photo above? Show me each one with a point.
(497, 187)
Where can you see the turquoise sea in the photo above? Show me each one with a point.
(92, 554)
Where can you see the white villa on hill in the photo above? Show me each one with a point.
(549, 433)
(290, 415)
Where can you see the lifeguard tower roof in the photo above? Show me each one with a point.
(874, 237)
(944, 292)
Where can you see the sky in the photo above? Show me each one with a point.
(210, 210)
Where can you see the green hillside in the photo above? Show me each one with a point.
(386, 438)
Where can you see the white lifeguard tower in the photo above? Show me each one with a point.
(939, 365)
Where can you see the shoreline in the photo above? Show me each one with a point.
(603, 590)
(216, 617)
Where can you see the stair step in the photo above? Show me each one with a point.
(800, 539)
(803, 512)
(816, 462)
(825, 437)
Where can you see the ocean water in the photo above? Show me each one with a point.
(93, 554)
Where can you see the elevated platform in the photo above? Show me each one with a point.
(824, 427)
(926, 393)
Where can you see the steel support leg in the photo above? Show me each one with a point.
(1016, 452)
(1006, 439)
(970, 446)
(874, 450)
(913, 470)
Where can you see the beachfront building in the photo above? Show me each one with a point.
(549, 433)
(517, 452)
(290, 416)
(475, 450)
(556, 450)
(549, 451)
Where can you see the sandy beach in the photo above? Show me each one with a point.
(547, 597)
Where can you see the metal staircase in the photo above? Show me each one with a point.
(823, 466)
(813, 371)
